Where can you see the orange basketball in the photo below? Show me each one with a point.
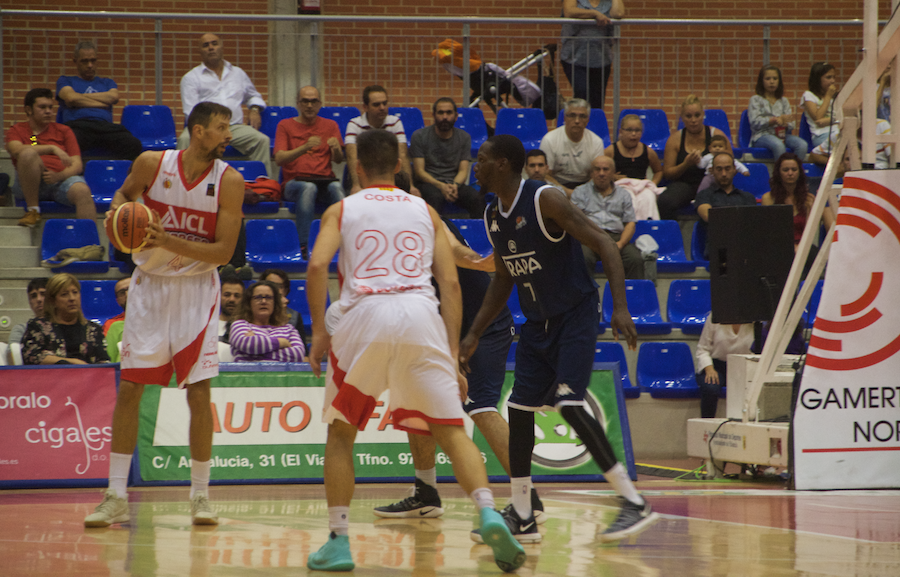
(127, 226)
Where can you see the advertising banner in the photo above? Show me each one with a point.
(55, 423)
(847, 422)
(268, 426)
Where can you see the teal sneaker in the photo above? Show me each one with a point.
(508, 554)
(334, 555)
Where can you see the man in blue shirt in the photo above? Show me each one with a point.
(85, 106)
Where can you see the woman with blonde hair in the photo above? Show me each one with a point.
(681, 158)
(63, 336)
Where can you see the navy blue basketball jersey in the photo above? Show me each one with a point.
(549, 271)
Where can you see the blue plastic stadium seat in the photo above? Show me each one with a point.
(314, 228)
(597, 124)
(667, 234)
(612, 352)
(104, 177)
(98, 300)
(667, 371)
(805, 133)
(250, 170)
(49, 207)
(813, 171)
(698, 245)
(471, 120)
(153, 125)
(271, 116)
(340, 114)
(688, 304)
(744, 134)
(473, 231)
(757, 183)
(643, 305)
(526, 124)
(809, 313)
(273, 243)
(717, 118)
(516, 309)
(297, 301)
(63, 233)
(656, 126)
(411, 117)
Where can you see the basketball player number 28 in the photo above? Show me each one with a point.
(405, 259)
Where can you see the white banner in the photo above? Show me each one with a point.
(847, 422)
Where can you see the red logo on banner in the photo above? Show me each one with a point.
(862, 335)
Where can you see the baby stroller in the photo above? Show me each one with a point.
(489, 82)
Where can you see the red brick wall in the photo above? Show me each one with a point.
(660, 64)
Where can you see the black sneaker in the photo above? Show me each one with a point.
(424, 503)
(537, 507)
(632, 519)
(524, 531)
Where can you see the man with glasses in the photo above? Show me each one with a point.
(305, 148)
(571, 147)
(47, 160)
(122, 299)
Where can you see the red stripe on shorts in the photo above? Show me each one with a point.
(185, 359)
(152, 376)
(400, 415)
(355, 405)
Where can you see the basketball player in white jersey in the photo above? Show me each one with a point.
(391, 337)
(173, 303)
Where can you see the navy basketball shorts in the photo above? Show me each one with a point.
(554, 359)
(488, 365)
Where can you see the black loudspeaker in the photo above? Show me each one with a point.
(750, 254)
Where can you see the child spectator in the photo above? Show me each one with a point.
(817, 102)
(770, 116)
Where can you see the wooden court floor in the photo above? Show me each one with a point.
(707, 529)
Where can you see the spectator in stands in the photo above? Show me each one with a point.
(63, 336)
(586, 55)
(716, 343)
(717, 144)
(609, 207)
(817, 102)
(217, 80)
(279, 278)
(47, 161)
(375, 115)
(305, 147)
(232, 291)
(571, 148)
(723, 193)
(788, 184)
(770, 116)
(85, 106)
(820, 153)
(441, 155)
(121, 289)
(536, 165)
(681, 159)
(261, 331)
(631, 156)
(36, 289)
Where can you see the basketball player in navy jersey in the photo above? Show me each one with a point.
(173, 300)
(537, 235)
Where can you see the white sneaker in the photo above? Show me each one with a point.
(113, 509)
(201, 513)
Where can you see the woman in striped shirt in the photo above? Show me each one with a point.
(261, 331)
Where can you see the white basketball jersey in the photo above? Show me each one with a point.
(188, 211)
(387, 245)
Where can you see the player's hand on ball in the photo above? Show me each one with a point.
(156, 234)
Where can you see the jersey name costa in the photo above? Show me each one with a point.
(187, 210)
(549, 271)
(387, 245)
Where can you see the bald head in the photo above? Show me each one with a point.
(211, 51)
(603, 169)
(308, 103)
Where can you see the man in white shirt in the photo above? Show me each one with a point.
(219, 81)
(571, 148)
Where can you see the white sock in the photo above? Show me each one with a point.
(427, 476)
(483, 498)
(618, 478)
(200, 477)
(119, 465)
(339, 520)
(521, 496)
(35, 208)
